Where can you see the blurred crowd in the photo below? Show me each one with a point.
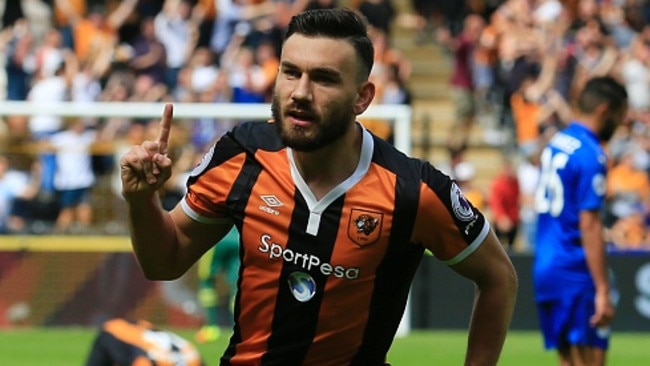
(59, 175)
(516, 67)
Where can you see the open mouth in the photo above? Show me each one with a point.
(301, 117)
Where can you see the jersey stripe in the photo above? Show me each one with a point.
(294, 323)
(237, 201)
(395, 272)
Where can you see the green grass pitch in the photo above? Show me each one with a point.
(69, 346)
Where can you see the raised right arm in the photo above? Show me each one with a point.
(166, 243)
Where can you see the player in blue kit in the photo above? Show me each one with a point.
(570, 274)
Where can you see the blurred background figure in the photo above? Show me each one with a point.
(124, 342)
(504, 204)
(462, 47)
(149, 54)
(97, 29)
(628, 199)
(177, 28)
(464, 172)
(218, 273)
(74, 176)
(15, 186)
(379, 13)
(528, 177)
(19, 62)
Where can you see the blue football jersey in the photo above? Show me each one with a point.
(572, 179)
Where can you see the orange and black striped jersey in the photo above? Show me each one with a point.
(138, 343)
(325, 282)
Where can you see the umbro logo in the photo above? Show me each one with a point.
(270, 201)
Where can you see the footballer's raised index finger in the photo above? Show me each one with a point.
(165, 127)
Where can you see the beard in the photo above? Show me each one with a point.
(608, 129)
(322, 133)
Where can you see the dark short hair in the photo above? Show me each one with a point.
(336, 23)
(97, 8)
(599, 90)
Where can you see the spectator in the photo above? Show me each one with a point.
(207, 9)
(97, 30)
(12, 13)
(623, 21)
(504, 204)
(547, 11)
(19, 60)
(427, 18)
(462, 47)
(14, 185)
(538, 110)
(206, 130)
(394, 88)
(203, 71)
(49, 55)
(464, 174)
(74, 177)
(630, 231)
(595, 55)
(379, 13)
(484, 62)
(149, 54)
(33, 211)
(52, 89)
(86, 86)
(516, 41)
(177, 27)
(268, 60)
(634, 70)
(147, 89)
(454, 14)
(62, 22)
(528, 178)
(628, 184)
(389, 74)
(247, 79)
(228, 15)
(587, 11)
(389, 62)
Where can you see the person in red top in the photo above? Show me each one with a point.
(504, 204)
(333, 220)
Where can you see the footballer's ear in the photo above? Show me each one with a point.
(365, 95)
(601, 109)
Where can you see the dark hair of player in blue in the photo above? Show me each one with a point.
(599, 90)
(337, 23)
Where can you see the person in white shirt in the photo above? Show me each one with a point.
(176, 27)
(48, 89)
(14, 184)
(74, 177)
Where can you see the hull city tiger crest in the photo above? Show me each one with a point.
(364, 226)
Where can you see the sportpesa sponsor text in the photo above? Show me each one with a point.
(306, 261)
